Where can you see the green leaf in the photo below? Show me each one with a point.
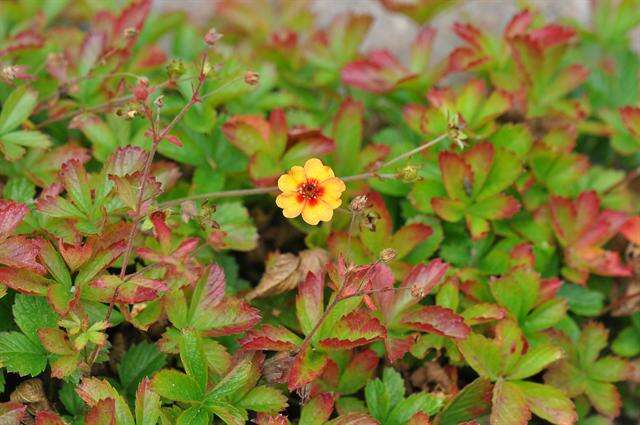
(347, 134)
(509, 406)
(21, 355)
(177, 386)
(394, 385)
(416, 402)
(377, 398)
(19, 189)
(482, 354)
(147, 405)
(545, 315)
(264, 399)
(193, 358)
(17, 108)
(592, 341)
(609, 369)
(33, 313)
(534, 360)
(604, 397)
(548, 402)
(235, 383)
(627, 343)
(26, 138)
(471, 402)
(237, 230)
(229, 413)
(194, 416)
(517, 292)
(582, 300)
(140, 361)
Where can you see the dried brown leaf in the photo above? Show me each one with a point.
(285, 270)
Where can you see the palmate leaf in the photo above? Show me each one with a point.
(471, 402)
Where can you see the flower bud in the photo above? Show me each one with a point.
(175, 68)
(387, 255)
(409, 174)
(142, 90)
(251, 78)
(212, 37)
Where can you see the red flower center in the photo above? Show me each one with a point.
(309, 191)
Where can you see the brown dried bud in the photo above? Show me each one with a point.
(130, 32)
(212, 37)
(159, 102)
(29, 391)
(387, 254)
(632, 255)
(276, 368)
(252, 78)
(409, 174)
(370, 219)
(455, 126)
(359, 203)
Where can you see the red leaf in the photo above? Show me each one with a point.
(47, 417)
(582, 229)
(11, 214)
(307, 366)
(518, 24)
(20, 252)
(631, 229)
(11, 413)
(269, 337)
(310, 301)
(24, 281)
(631, 119)
(418, 283)
(438, 320)
(319, 407)
(353, 330)
(102, 413)
(379, 72)
(397, 347)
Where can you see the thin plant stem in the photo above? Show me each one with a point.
(157, 136)
(274, 189)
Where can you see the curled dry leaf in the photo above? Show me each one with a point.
(286, 270)
(31, 393)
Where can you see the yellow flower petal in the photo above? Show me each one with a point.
(289, 182)
(290, 205)
(313, 214)
(314, 169)
(331, 201)
(333, 187)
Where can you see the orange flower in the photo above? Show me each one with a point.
(312, 191)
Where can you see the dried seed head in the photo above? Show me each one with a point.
(455, 126)
(417, 291)
(359, 203)
(387, 255)
(409, 174)
(212, 37)
(252, 78)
